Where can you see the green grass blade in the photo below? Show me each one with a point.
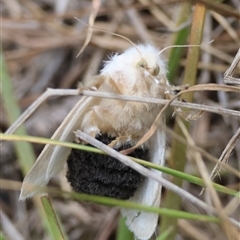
(123, 233)
(52, 219)
(173, 172)
(180, 38)
(164, 235)
(128, 204)
(1, 236)
(24, 150)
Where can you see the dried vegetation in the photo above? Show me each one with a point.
(40, 41)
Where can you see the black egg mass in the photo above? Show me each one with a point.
(102, 175)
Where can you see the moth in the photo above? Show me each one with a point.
(138, 71)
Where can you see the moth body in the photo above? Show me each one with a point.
(136, 72)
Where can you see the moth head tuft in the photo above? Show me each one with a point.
(140, 56)
(150, 60)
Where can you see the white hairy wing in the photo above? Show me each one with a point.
(143, 224)
(52, 158)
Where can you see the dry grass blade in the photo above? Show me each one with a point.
(204, 153)
(221, 8)
(226, 154)
(226, 26)
(232, 205)
(228, 74)
(175, 103)
(160, 15)
(191, 231)
(29, 111)
(8, 228)
(95, 5)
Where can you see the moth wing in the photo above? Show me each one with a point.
(143, 224)
(52, 158)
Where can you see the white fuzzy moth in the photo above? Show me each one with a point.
(138, 71)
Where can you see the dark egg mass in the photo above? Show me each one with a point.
(102, 175)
